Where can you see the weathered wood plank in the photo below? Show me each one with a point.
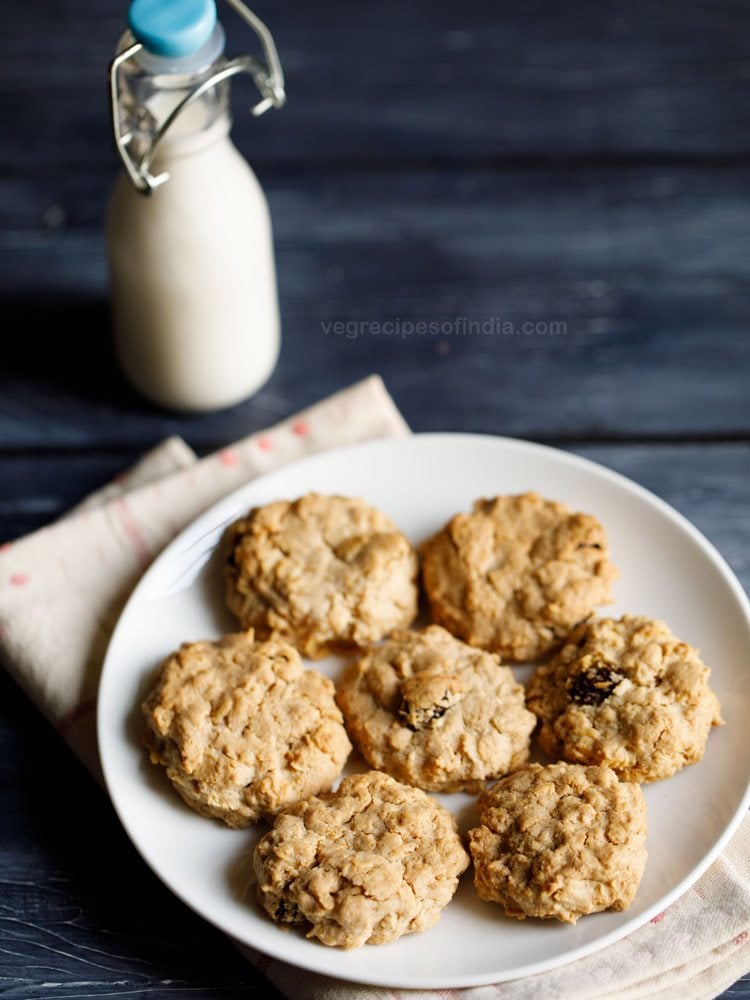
(423, 80)
(646, 270)
(81, 915)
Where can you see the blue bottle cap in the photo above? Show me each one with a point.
(172, 28)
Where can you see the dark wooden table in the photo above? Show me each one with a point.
(583, 163)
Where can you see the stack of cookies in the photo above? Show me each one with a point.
(247, 732)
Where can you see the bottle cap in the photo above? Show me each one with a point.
(172, 28)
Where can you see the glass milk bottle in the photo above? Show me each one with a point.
(189, 243)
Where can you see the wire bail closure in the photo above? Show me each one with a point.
(269, 79)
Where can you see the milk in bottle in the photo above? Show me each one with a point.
(188, 233)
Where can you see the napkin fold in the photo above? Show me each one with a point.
(75, 576)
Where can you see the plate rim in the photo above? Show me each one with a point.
(319, 965)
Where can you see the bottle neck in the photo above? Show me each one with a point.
(190, 143)
(198, 124)
(152, 88)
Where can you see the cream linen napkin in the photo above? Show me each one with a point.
(74, 577)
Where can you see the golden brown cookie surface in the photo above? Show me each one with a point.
(560, 842)
(517, 574)
(434, 712)
(626, 693)
(243, 729)
(362, 865)
(323, 572)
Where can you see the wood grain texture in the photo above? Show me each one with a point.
(81, 915)
(646, 271)
(390, 81)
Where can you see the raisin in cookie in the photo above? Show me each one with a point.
(434, 712)
(560, 841)
(243, 728)
(323, 572)
(517, 574)
(628, 694)
(361, 865)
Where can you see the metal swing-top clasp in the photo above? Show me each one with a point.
(268, 77)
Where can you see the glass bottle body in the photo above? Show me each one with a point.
(191, 266)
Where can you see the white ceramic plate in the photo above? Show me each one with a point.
(668, 570)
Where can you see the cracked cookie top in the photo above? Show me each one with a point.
(627, 693)
(434, 712)
(362, 865)
(243, 729)
(559, 842)
(323, 572)
(517, 574)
